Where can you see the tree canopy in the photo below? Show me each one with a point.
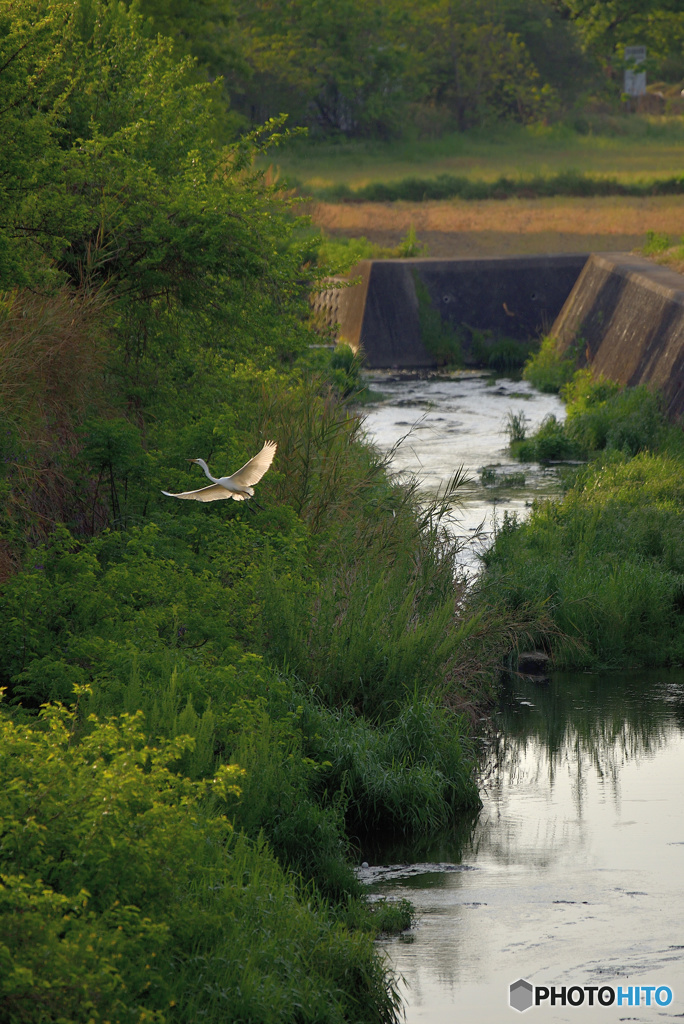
(370, 68)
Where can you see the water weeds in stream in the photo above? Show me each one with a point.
(573, 869)
(448, 421)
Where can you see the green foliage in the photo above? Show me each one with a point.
(600, 415)
(125, 171)
(107, 935)
(344, 252)
(497, 352)
(409, 776)
(449, 186)
(547, 370)
(340, 69)
(490, 478)
(656, 242)
(554, 45)
(550, 443)
(346, 366)
(113, 449)
(354, 69)
(410, 247)
(516, 426)
(604, 561)
(438, 336)
(175, 641)
(606, 28)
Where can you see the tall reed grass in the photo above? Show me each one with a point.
(605, 561)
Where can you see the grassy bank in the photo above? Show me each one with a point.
(605, 561)
(628, 149)
(496, 227)
(206, 707)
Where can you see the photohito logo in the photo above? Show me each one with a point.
(522, 995)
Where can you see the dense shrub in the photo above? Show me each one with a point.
(604, 561)
(127, 896)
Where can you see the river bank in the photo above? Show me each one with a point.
(509, 227)
(606, 560)
(204, 705)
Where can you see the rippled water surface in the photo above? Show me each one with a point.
(573, 872)
(448, 422)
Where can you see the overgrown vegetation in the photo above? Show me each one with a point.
(604, 561)
(546, 370)
(201, 703)
(450, 186)
(397, 66)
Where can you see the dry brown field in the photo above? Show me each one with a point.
(492, 227)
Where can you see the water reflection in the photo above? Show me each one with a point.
(575, 865)
(582, 723)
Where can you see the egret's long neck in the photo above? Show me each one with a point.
(204, 466)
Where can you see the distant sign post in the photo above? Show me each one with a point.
(635, 81)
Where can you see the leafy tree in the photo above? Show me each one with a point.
(126, 187)
(343, 66)
(467, 61)
(208, 31)
(554, 45)
(33, 94)
(607, 26)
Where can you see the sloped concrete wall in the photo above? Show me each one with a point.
(516, 297)
(625, 319)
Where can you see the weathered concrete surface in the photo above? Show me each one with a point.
(625, 319)
(515, 297)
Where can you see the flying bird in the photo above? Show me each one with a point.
(239, 486)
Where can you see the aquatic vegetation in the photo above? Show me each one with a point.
(516, 426)
(490, 478)
(605, 561)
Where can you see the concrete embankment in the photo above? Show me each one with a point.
(384, 311)
(625, 319)
(620, 314)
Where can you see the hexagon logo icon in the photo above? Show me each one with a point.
(520, 995)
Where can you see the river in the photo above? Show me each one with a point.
(445, 422)
(572, 874)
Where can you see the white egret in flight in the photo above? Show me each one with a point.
(239, 485)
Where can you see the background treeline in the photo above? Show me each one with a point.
(378, 68)
(206, 711)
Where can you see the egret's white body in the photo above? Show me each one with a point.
(239, 486)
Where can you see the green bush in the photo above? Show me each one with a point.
(126, 895)
(601, 414)
(412, 775)
(605, 562)
(547, 370)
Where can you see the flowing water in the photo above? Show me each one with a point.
(459, 421)
(572, 874)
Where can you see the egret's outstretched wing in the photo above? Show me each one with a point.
(214, 492)
(253, 470)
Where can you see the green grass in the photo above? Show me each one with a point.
(546, 370)
(628, 148)
(606, 561)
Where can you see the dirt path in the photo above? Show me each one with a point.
(508, 227)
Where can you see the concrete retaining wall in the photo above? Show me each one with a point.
(625, 318)
(517, 297)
